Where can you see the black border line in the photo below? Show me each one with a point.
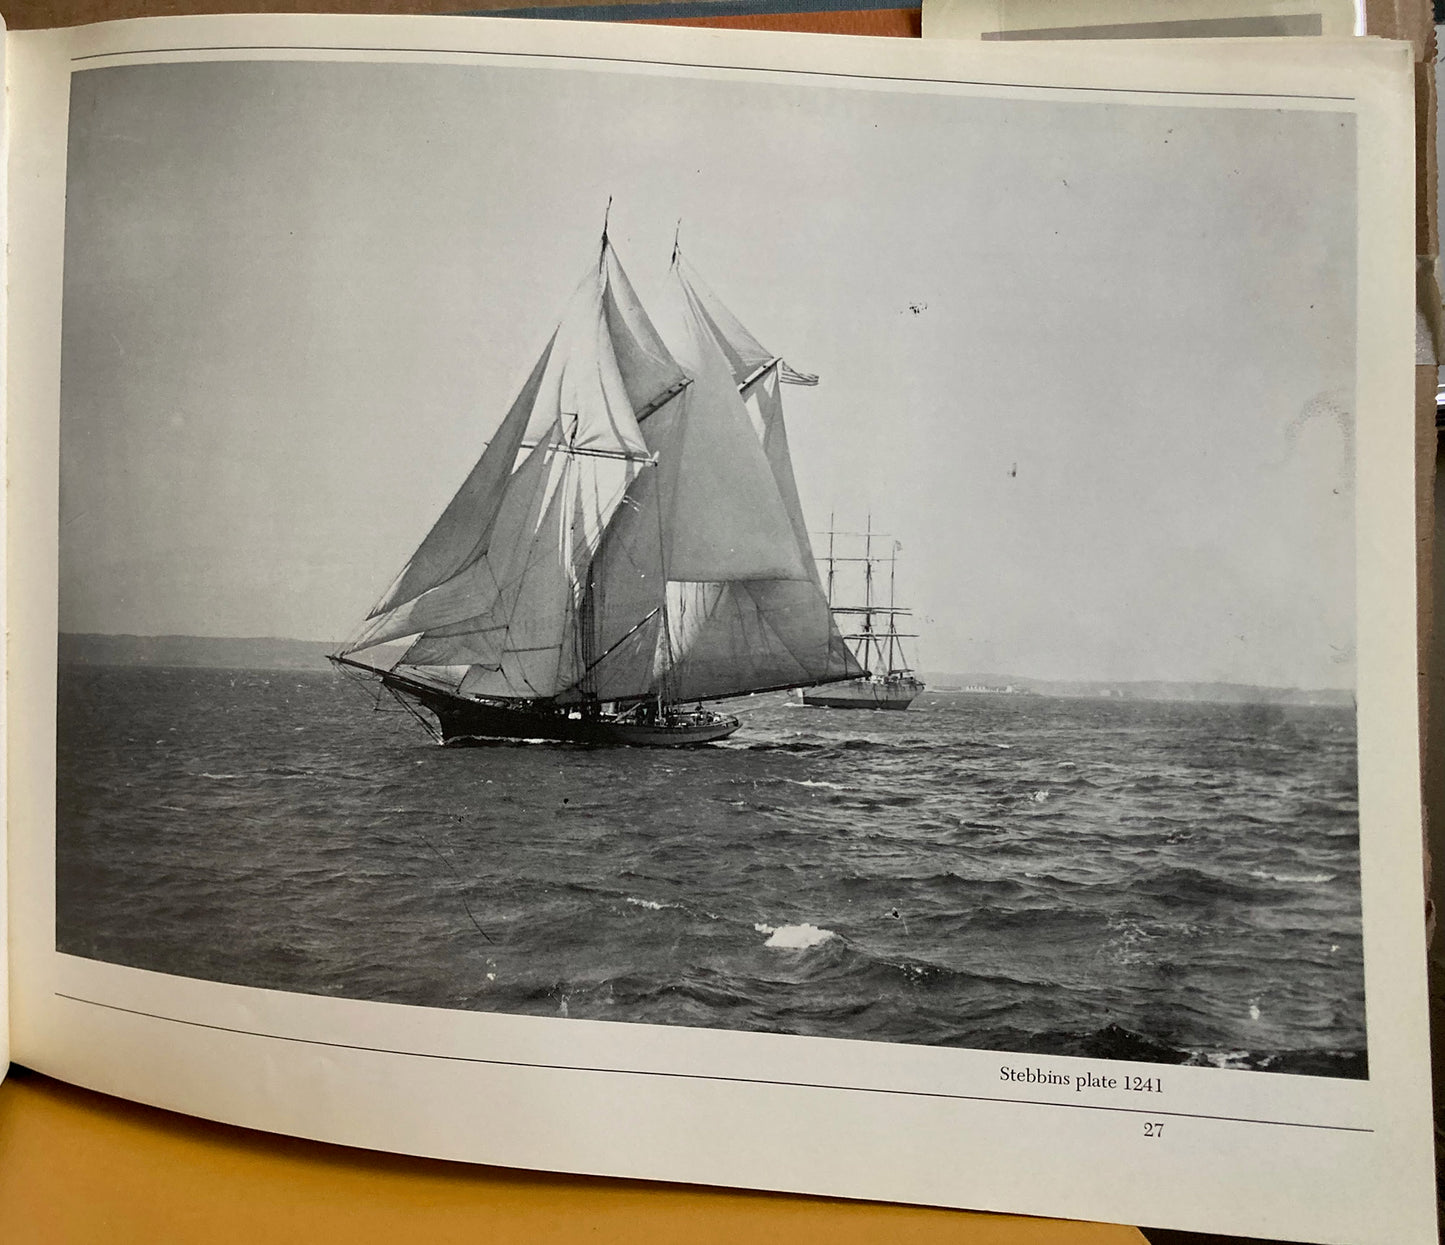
(705, 1076)
(635, 60)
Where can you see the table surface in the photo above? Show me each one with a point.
(77, 1166)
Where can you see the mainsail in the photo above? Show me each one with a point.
(631, 532)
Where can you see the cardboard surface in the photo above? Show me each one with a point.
(80, 1167)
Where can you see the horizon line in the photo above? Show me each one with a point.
(1350, 690)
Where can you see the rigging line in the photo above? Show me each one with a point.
(632, 631)
(462, 894)
(377, 692)
(433, 731)
(363, 684)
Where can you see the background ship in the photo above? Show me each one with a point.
(630, 543)
(890, 683)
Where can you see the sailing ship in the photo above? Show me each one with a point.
(878, 642)
(629, 545)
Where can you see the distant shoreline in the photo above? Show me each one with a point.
(275, 653)
(206, 652)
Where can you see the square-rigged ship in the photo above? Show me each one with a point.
(877, 640)
(630, 543)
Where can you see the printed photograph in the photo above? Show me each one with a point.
(766, 552)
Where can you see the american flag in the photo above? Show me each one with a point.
(791, 377)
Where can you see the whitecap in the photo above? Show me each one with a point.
(650, 904)
(1262, 875)
(1232, 1059)
(794, 937)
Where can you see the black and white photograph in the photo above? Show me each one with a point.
(703, 548)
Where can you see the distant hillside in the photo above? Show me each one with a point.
(1215, 693)
(216, 653)
(270, 653)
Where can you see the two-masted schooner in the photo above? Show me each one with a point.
(629, 545)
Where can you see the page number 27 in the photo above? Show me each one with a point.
(1153, 1128)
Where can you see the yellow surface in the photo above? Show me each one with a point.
(81, 1167)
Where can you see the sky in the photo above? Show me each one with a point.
(1090, 364)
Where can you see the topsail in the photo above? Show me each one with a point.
(632, 532)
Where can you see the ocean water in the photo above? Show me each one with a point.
(1168, 882)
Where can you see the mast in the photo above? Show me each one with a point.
(892, 618)
(668, 649)
(869, 642)
(584, 630)
(831, 533)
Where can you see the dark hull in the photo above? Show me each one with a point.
(466, 723)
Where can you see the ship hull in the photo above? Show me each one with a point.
(466, 723)
(865, 694)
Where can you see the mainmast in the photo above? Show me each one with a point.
(892, 621)
(868, 641)
(830, 558)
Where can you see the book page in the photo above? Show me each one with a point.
(908, 549)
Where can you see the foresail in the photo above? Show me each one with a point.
(459, 537)
(518, 615)
(625, 606)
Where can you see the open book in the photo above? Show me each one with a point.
(908, 549)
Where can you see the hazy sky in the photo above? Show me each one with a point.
(299, 297)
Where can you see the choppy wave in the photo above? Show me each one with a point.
(1159, 883)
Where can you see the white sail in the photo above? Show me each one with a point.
(460, 536)
(649, 544)
(757, 629)
(746, 356)
(508, 613)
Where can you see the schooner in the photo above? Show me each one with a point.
(629, 545)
